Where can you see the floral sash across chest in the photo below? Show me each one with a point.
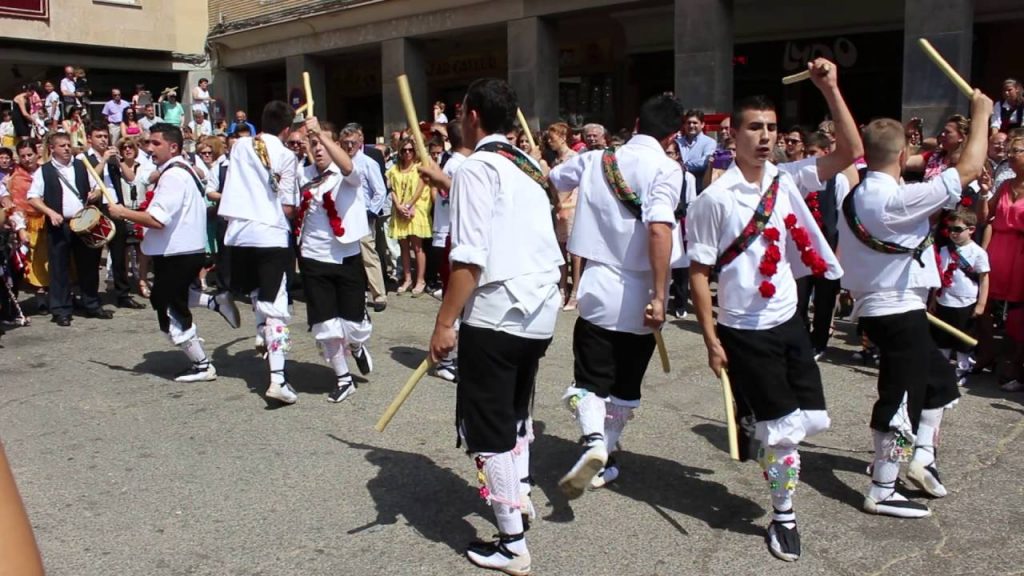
(617, 183)
(260, 147)
(753, 230)
(522, 161)
(876, 244)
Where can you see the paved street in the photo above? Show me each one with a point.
(126, 472)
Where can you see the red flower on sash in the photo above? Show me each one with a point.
(771, 234)
(966, 202)
(767, 289)
(813, 201)
(808, 255)
(332, 215)
(769, 261)
(947, 274)
(307, 198)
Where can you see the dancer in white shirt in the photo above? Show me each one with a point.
(505, 288)
(258, 200)
(176, 241)
(753, 227)
(329, 225)
(887, 250)
(625, 196)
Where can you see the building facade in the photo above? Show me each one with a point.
(120, 43)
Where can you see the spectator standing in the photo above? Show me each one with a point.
(200, 126)
(375, 197)
(794, 141)
(74, 127)
(21, 113)
(7, 134)
(36, 274)
(130, 127)
(67, 89)
(695, 146)
(149, 118)
(1009, 114)
(241, 119)
(410, 217)
(595, 136)
(113, 111)
(201, 98)
(52, 102)
(173, 112)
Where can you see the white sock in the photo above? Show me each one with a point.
(193, 348)
(928, 436)
(615, 423)
(591, 412)
(963, 363)
(502, 481)
(886, 467)
(334, 352)
(781, 465)
(197, 299)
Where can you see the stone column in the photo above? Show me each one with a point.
(927, 93)
(229, 87)
(533, 69)
(403, 56)
(703, 54)
(294, 67)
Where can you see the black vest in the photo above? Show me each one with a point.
(223, 177)
(114, 170)
(1006, 121)
(829, 213)
(53, 192)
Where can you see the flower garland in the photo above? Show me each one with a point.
(813, 201)
(329, 206)
(947, 274)
(773, 255)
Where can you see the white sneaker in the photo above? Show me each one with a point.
(446, 370)
(224, 305)
(496, 556)
(283, 393)
(590, 463)
(346, 387)
(198, 373)
(926, 478)
(607, 475)
(896, 505)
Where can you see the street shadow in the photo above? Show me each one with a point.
(1006, 408)
(688, 324)
(408, 356)
(715, 434)
(434, 501)
(660, 483)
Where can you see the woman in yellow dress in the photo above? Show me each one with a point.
(410, 215)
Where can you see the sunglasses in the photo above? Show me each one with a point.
(206, 153)
(294, 144)
(958, 229)
(792, 141)
(407, 150)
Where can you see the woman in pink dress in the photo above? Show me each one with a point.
(1006, 255)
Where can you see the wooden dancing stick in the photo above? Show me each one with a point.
(730, 417)
(309, 92)
(945, 67)
(952, 331)
(659, 340)
(301, 109)
(798, 77)
(410, 115)
(111, 199)
(526, 128)
(411, 383)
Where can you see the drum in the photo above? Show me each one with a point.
(93, 227)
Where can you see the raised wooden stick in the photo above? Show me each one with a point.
(949, 71)
(730, 417)
(952, 331)
(526, 128)
(411, 383)
(301, 109)
(798, 77)
(309, 92)
(410, 115)
(111, 199)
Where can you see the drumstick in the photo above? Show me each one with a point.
(730, 417)
(659, 340)
(410, 117)
(411, 383)
(99, 179)
(945, 67)
(798, 77)
(526, 128)
(309, 92)
(952, 331)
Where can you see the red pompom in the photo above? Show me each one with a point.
(800, 237)
(790, 221)
(767, 268)
(772, 253)
(772, 234)
(966, 202)
(767, 289)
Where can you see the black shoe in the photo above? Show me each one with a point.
(130, 303)
(363, 360)
(61, 320)
(380, 306)
(783, 542)
(98, 313)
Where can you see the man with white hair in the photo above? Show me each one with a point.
(595, 136)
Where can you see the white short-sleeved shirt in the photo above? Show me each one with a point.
(255, 215)
(964, 291)
(53, 105)
(318, 240)
(179, 205)
(71, 202)
(718, 216)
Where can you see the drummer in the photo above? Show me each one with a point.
(61, 189)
